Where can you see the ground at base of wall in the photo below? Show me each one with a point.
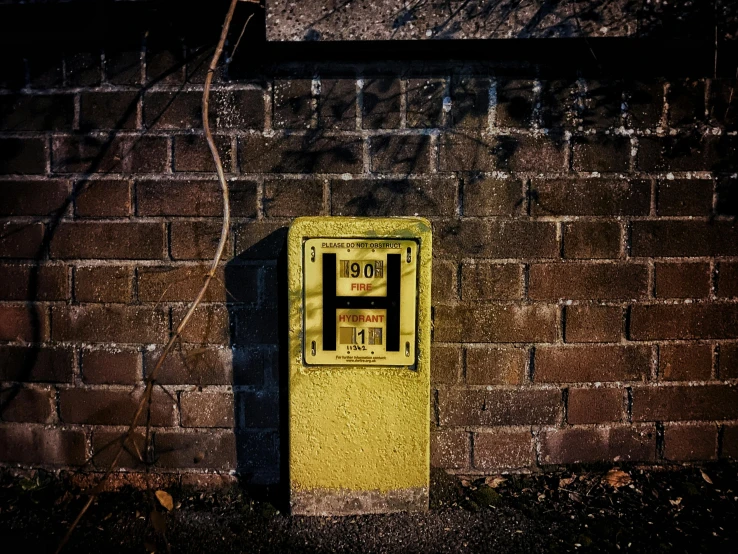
(632, 510)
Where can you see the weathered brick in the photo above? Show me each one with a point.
(191, 153)
(36, 112)
(686, 101)
(293, 106)
(450, 449)
(83, 69)
(257, 409)
(425, 102)
(600, 153)
(103, 284)
(36, 364)
(182, 283)
(111, 366)
(105, 446)
(337, 104)
(27, 405)
(690, 443)
(682, 280)
(601, 405)
(591, 239)
(687, 152)
(495, 239)
(515, 102)
(582, 281)
(489, 281)
(39, 445)
(258, 453)
(381, 106)
(728, 358)
(466, 152)
(34, 282)
(469, 102)
(45, 69)
(124, 324)
(492, 323)
(123, 65)
(495, 366)
(685, 362)
(526, 153)
(445, 364)
(208, 325)
(109, 240)
(197, 366)
(103, 198)
(723, 103)
(503, 449)
(445, 277)
(730, 442)
(196, 240)
(47, 197)
(581, 364)
(23, 323)
(261, 240)
(559, 98)
(593, 323)
(599, 444)
(165, 61)
(172, 110)
(645, 103)
(684, 321)
(207, 409)
(237, 109)
(405, 154)
(727, 195)
(487, 196)
(195, 450)
(180, 198)
(601, 105)
(21, 240)
(727, 279)
(312, 153)
(292, 198)
(677, 403)
(684, 238)
(685, 197)
(427, 197)
(117, 154)
(113, 407)
(590, 197)
(499, 407)
(108, 110)
(24, 156)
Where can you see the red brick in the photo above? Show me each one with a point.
(405, 154)
(21, 240)
(601, 105)
(108, 110)
(197, 240)
(47, 197)
(685, 362)
(104, 198)
(46, 69)
(445, 277)
(181, 198)
(722, 103)
(254, 326)
(200, 366)
(103, 284)
(495, 239)
(195, 450)
(499, 407)
(192, 153)
(22, 156)
(469, 102)
(172, 110)
(503, 449)
(557, 99)
(590, 197)
(530, 153)
(684, 321)
(237, 109)
(645, 103)
(582, 364)
(728, 361)
(592, 323)
(260, 240)
(690, 443)
(123, 65)
(727, 279)
(294, 107)
(83, 69)
(337, 104)
(114, 407)
(677, 403)
(689, 151)
(515, 103)
(424, 102)
(105, 446)
(207, 409)
(125, 324)
(109, 240)
(605, 153)
(182, 283)
(38, 445)
(682, 280)
(495, 366)
(684, 238)
(488, 281)
(36, 112)
(111, 366)
(450, 449)
(165, 62)
(36, 364)
(487, 196)
(24, 323)
(464, 152)
(599, 444)
(28, 282)
(210, 324)
(685, 197)
(257, 410)
(428, 197)
(580, 281)
(493, 323)
(381, 106)
(445, 364)
(595, 405)
(686, 100)
(300, 154)
(591, 239)
(730, 442)
(28, 405)
(293, 198)
(120, 154)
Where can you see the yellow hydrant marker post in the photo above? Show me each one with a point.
(359, 376)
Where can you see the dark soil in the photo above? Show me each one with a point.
(681, 510)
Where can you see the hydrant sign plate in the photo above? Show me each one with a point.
(360, 301)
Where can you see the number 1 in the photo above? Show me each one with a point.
(361, 334)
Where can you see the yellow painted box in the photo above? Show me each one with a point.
(359, 356)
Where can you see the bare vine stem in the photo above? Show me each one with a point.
(151, 379)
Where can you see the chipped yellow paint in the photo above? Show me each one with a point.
(351, 427)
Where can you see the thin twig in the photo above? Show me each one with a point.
(150, 380)
(235, 47)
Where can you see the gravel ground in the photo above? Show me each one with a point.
(592, 510)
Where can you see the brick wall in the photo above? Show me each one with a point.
(586, 251)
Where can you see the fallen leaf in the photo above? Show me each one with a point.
(706, 477)
(495, 481)
(675, 502)
(617, 478)
(165, 499)
(566, 482)
(465, 483)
